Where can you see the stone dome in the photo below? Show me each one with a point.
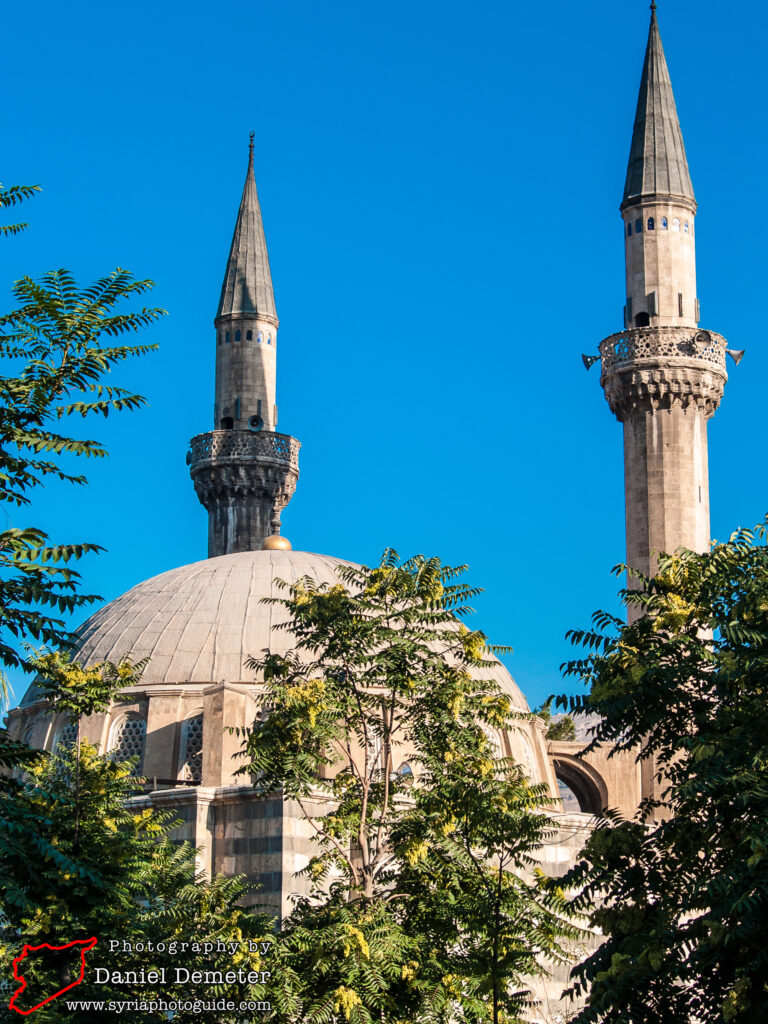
(199, 623)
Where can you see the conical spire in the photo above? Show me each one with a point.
(657, 163)
(247, 284)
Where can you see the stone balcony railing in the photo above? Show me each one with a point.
(244, 446)
(686, 344)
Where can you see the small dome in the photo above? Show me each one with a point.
(201, 622)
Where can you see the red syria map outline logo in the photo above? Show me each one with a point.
(87, 945)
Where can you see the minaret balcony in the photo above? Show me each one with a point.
(675, 345)
(243, 446)
(648, 369)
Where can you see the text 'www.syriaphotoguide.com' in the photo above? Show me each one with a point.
(171, 1005)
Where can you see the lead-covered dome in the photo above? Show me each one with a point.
(201, 622)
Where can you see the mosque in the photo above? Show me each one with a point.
(663, 378)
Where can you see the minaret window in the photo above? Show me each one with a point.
(226, 337)
(259, 337)
(650, 224)
(249, 335)
(629, 229)
(237, 335)
(642, 320)
(638, 226)
(269, 339)
(685, 227)
(675, 224)
(664, 224)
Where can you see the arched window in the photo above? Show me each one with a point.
(685, 227)
(249, 335)
(191, 751)
(226, 337)
(269, 339)
(642, 320)
(629, 229)
(227, 423)
(237, 335)
(664, 224)
(650, 224)
(676, 224)
(638, 226)
(259, 337)
(128, 736)
(66, 737)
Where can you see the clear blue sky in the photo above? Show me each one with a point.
(440, 186)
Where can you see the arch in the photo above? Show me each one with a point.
(585, 784)
(260, 337)
(629, 229)
(676, 224)
(191, 749)
(664, 223)
(269, 339)
(227, 423)
(249, 335)
(638, 226)
(650, 224)
(642, 320)
(226, 337)
(237, 335)
(128, 736)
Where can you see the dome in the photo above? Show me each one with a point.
(201, 622)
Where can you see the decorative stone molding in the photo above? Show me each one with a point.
(656, 368)
(244, 444)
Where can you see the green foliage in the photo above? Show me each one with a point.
(56, 367)
(121, 878)
(11, 197)
(381, 725)
(561, 728)
(685, 913)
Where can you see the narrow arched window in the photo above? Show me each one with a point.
(259, 337)
(226, 337)
(249, 335)
(128, 737)
(638, 226)
(191, 754)
(664, 224)
(629, 229)
(685, 227)
(650, 224)
(237, 335)
(676, 224)
(269, 339)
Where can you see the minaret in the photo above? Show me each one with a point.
(663, 377)
(244, 473)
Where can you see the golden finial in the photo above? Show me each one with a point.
(274, 542)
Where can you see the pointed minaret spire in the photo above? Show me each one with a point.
(247, 287)
(244, 472)
(657, 163)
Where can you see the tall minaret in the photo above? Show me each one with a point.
(663, 377)
(245, 473)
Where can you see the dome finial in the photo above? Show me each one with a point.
(653, 6)
(250, 149)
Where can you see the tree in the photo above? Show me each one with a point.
(122, 879)
(559, 727)
(380, 725)
(57, 363)
(683, 887)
